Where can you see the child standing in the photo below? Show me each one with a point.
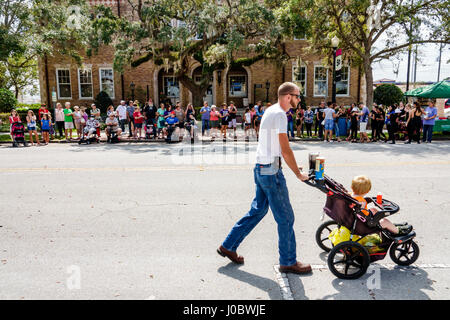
(31, 125)
(45, 127)
(138, 120)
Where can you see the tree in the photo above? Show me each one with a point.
(369, 31)
(33, 29)
(387, 94)
(176, 33)
(7, 100)
(103, 101)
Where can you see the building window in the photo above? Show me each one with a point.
(171, 87)
(238, 86)
(299, 77)
(320, 81)
(343, 86)
(85, 83)
(63, 84)
(107, 81)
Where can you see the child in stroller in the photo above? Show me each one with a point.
(350, 257)
(90, 131)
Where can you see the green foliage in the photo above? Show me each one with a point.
(7, 100)
(387, 94)
(103, 101)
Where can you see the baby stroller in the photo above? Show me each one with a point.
(350, 259)
(149, 130)
(18, 134)
(90, 132)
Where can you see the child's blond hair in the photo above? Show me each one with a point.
(361, 185)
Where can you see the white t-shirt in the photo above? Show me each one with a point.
(248, 117)
(122, 111)
(329, 113)
(274, 122)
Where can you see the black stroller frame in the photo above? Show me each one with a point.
(346, 211)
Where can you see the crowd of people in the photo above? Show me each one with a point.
(329, 122)
(401, 121)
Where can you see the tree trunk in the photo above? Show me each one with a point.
(198, 91)
(369, 82)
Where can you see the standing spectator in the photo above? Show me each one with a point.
(253, 116)
(290, 122)
(95, 112)
(130, 119)
(84, 119)
(205, 111)
(121, 112)
(299, 120)
(232, 121)
(353, 124)
(150, 116)
(161, 120)
(363, 120)
(309, 118)
(329, 115)
(109, 110)
(257, 106)
(380, 116)
(247, 123)
(68, 121)
(429, 120)
(59, 119)
(339, 121)
(414, 123)
(43, 109)
(373, 122)
(258, 118)
(391, 123)
(214, 121)
(45, 127)
(138, 121)
(77, 119)
(31, 126)
(189, 122)
(224, 117)
(321, 119)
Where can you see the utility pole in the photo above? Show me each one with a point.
(415, 66)
(440, 57)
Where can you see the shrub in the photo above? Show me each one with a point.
(7, 100)
(103, 101)
(387, 94)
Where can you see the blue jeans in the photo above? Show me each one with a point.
(290, 128)
(427, 132)
(205, 125)
(336, 129)
(271, 191)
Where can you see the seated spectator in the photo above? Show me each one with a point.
(172, 122)
(112, 126)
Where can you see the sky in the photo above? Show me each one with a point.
(427, 65)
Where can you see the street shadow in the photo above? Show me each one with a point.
(399, 283)
(271, 287)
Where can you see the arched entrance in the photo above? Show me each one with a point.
(237, 86)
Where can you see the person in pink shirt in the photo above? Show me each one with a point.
(214, 121)
(14, 117)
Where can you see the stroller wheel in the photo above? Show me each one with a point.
(405, 253)
(322, 234)
(348, 260)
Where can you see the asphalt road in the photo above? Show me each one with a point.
(143, 221)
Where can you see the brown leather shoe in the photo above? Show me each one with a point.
(233, 256)
(298, 268)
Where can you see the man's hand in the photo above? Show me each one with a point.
(302, 176)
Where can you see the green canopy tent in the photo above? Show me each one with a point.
(439, 90)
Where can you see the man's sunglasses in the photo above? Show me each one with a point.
(295, 95)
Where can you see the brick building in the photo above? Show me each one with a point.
(63, 80)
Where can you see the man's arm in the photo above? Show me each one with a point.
(288, 156)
